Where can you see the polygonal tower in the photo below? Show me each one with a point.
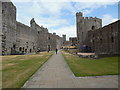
(85, 24)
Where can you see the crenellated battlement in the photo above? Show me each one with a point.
(79, 16)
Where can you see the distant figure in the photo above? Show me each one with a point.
(48, 50)
(56, 50)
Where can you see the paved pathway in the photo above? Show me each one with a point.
(55, 73)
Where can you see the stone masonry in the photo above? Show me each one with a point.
(84, 24)
(18, 38)
(98, 39)
(104, 40)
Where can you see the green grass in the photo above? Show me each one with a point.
(91, 67)
(17, 69)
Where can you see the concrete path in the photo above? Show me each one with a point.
(55, 73)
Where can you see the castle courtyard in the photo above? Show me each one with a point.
(55, 73)
(59, 45)
(51, 70)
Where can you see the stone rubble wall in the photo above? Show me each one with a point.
(18, 38)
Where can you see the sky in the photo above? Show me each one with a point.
(59, 16)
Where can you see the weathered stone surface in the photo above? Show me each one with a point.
(104, 40)
(18, 38)
(84, 24)
(101, 40)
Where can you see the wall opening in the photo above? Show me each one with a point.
(26, 50)
(101, 40)
(20, 49)
(93, 28)
(30, 50)
(112, 39)
(14, 46)
(49, 38)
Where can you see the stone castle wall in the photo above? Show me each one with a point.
(104, 40)
(84, 24)
(18, 38)
(26, 38)
(1, 28)
(98, 39)
(8, 27)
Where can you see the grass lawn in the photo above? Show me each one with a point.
(17, 69)
(91, 67)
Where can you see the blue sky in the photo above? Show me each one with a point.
(60, 17)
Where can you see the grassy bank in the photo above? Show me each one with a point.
(17, 69)
(91, 67)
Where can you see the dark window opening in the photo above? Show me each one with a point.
(38, 32)
(14, 46)
(20, 49)
(30, 50)
(25, 50)
(93, 27)
(100, 40)
(112, 39)
(49, 38)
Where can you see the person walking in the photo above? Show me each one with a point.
(56, 50)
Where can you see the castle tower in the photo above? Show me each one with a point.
(85, 24)
(64, 38)
(8, 11)
(32, 23)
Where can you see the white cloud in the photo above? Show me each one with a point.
(88, 7)
(107, 19)
(51, 22)
(70, 31)
(48, 13)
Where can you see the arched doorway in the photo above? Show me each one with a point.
(30, 50)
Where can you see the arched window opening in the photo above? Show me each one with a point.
(26, 50)
(93, 27)
(49, 38)
(14, 46)
(30, 50)
(20, 49)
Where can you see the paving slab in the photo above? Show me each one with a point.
(55, 73)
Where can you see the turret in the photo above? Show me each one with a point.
(79, 16)
(32, 22)
(64, 38)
